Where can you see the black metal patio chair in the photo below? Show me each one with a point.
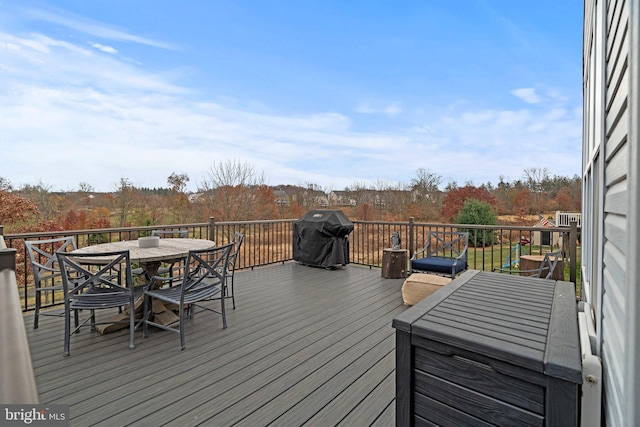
(203, 280)
(545, 271)
(171, 269)
(238, 238)
(89, 283)
(47, 277)
(445, 253)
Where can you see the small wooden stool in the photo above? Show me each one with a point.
(394, 263)
(420, 285)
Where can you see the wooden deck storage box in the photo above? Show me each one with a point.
(490, 349)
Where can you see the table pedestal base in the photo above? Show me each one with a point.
(159, 312)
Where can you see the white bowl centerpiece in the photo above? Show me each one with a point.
(149, 242)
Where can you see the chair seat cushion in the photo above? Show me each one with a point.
(418, 286)
(439, 264)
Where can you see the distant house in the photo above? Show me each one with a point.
(194, 197)
(341, 198)
(551, 239)
(282, 198)
(545, 238)
(611, 199)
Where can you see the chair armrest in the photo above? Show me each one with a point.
(421, 251)
(155, 279)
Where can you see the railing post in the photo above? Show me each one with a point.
(1, 230)
(573, 239)
(412, 239)
(7, 258)
(212, 223)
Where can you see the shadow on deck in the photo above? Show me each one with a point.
(305, 346)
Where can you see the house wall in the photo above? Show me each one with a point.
(610, 202)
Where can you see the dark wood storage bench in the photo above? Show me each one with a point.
(490, 349)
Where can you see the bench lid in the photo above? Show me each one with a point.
(525, 321)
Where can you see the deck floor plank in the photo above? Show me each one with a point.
(303, 345)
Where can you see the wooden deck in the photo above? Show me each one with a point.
(305, 346)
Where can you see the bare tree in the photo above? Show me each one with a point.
(5, 184)
(40, 194)
(535, 179)
(426, 183)
(85, 187)
(124, 200)
(229, 191)
(232, 173)
(393, 199)
(428, 197)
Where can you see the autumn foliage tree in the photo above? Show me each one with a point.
(15, 209)
(563, 200)
(456, 197)
(523, 202)
(96, 218)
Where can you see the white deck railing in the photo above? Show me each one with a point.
(564, 219)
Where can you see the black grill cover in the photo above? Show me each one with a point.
(320, 238)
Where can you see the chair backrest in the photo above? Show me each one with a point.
(238, 238)
(42, 255)
(100, 271)
(451, 244)
(207, 268)
(548, 265)
(181, 234)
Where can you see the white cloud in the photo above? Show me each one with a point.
(391, 110)
(475, 118)
(43, 59)
(107, 49)
(528, 95)
(73, 115)
(93, 28)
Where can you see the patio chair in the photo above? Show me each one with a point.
(96, 287)
(238, 238)
(445, 254)
(545, 271)
(203, 279)
(166, 234)
(46, 272)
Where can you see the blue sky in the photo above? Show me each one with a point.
(326, 92)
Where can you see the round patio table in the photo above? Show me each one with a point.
(149, 258)
(169, 250)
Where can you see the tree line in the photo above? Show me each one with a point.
(234, 191)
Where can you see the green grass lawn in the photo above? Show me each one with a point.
(489, 258)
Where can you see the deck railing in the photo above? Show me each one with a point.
(18, 383)
(269, 242)
(564, 219)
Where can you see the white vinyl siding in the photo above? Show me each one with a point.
(611, 198)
